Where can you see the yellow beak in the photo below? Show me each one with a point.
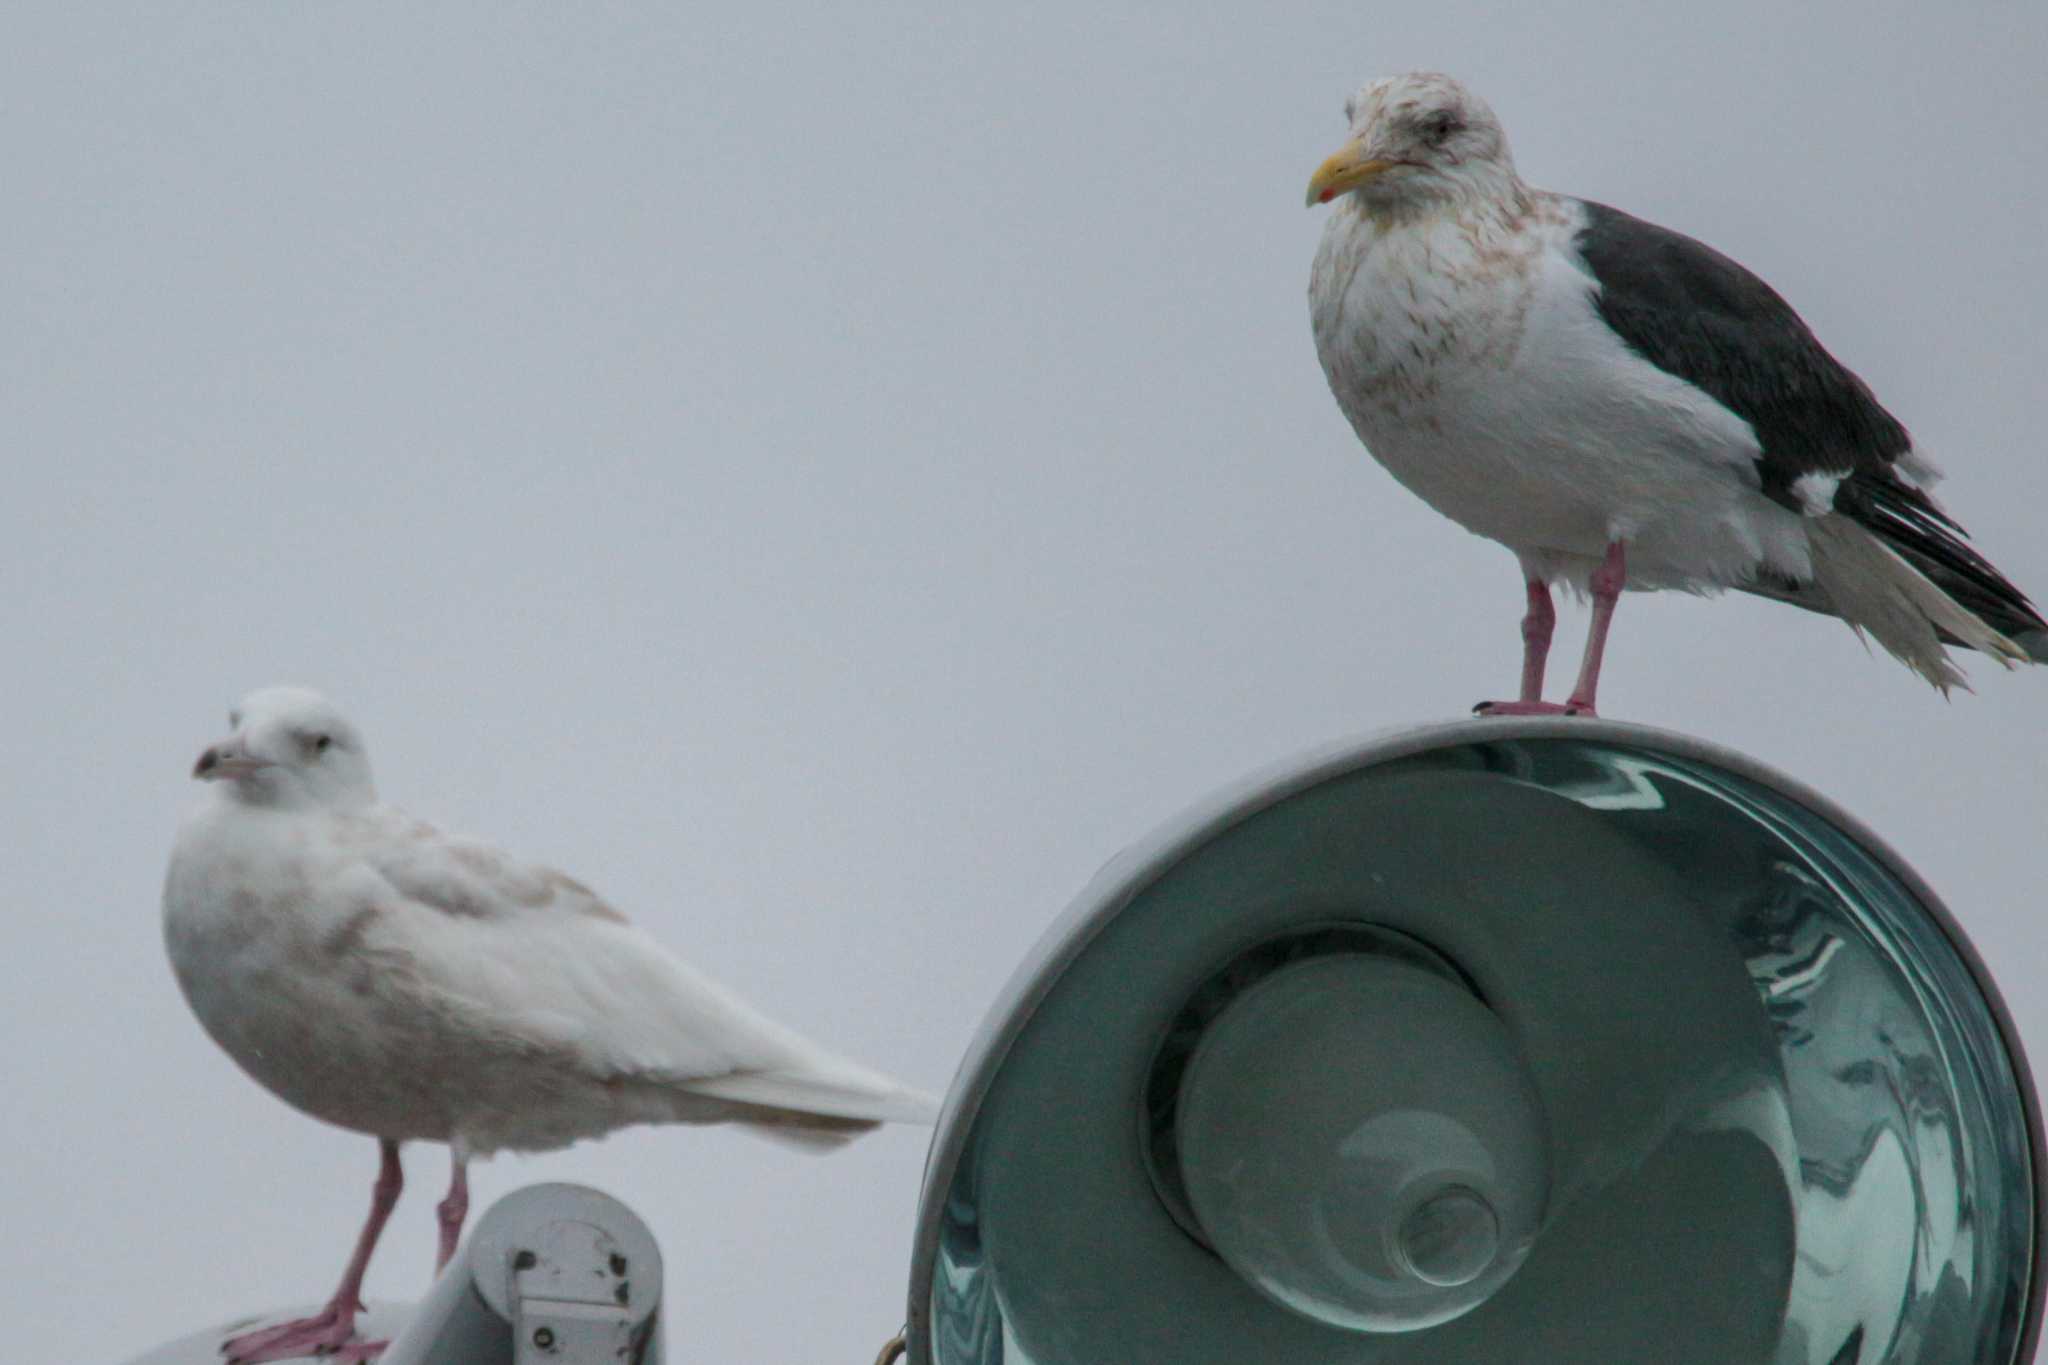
(1344, 172)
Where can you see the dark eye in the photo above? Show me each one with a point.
(321, 743)
(1441, 125)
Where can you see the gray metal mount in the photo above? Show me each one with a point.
(550, 1275)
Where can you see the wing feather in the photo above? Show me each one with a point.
(1704, 318)
(535, 956)
(1827, 444)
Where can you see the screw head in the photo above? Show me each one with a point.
(544, 1337)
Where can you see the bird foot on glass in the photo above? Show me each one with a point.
(1533, 708)
(326, 1336)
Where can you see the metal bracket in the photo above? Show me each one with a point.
(572, 1297)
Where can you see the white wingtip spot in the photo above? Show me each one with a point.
(1917, 469)
(1816, 492)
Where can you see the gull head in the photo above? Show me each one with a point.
(1417, 141)
(289, 747)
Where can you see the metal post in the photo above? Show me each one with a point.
(551, 1275)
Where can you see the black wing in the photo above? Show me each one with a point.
(1695, 314)
(1692, 312)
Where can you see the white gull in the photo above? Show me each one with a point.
(377, 973)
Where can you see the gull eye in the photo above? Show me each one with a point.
(319, 744)
(1440, 125)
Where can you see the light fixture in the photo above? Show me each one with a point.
(1531, 1040)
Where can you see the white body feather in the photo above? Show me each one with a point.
(385, 977)
(1468, 356)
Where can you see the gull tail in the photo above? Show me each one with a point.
(1890, 562)
(1915, 602)
(819, 1110)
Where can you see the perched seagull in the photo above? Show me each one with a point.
(1619, 405)
(405, 983)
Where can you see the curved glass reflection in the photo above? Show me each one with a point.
(1819, 1155)
(1895, 1072)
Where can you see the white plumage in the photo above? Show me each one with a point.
(409, 984)
(1466, 353)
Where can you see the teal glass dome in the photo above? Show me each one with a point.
(1540, 1040)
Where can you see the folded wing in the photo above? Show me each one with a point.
(538, 959)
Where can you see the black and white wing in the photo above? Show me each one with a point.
(1827, 444)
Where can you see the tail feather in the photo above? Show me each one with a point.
(816, 1113)
(848, 1096)
(796, 1128)
(1874, 586)
(1909, 521)
(1892, 563)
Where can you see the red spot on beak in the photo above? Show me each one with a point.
(1326, 196)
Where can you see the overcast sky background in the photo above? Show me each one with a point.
(830, 476)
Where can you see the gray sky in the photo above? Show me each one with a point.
(830, 477)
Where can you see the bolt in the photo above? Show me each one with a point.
(618, 1264)
(525, 1260)
(544, 1337)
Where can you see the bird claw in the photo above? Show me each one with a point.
(1532, 708)
(326, 1336)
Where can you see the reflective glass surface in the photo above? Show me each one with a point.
(1783, 1125)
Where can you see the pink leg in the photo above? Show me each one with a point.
(1608, 581)
(1538, 624)
(328, 1333)
(453, 1210)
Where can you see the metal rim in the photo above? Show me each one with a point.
(1120, 881)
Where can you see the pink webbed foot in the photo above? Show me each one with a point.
(1532, 708)
(326, 1335)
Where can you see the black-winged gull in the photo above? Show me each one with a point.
(1618, 404)
(391, 979)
